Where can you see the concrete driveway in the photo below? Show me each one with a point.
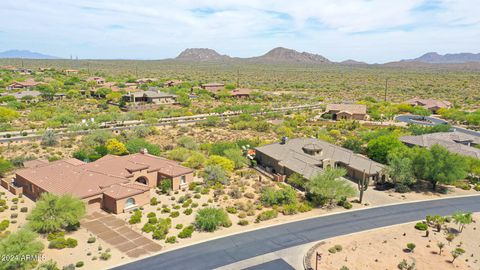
(116, 232)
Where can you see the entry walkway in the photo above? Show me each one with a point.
(116, 232)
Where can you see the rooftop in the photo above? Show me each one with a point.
(347, 108)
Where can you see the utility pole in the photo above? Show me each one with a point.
(386, 89)
(238, 78)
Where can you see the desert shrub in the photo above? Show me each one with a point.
(242, 215)
(69, 267)
(188, 211)
(91, 239)
(266, 215)
(174, 214)
(477, 187)
(136, 217)
(421, 226)
(194, 205)
(249, 195)
(166, 210)
(463, 185)
(197, 196)
(105, 256)
(148, 227)
(55, 235)
(290, 209)
(297, 180)
(270, 196)
(411, 246)
(171, 240)
(235, 193)
(4, 224)
(152, 220)
(215, 174)
(179, 226)
(332, 250)
(186, 232)
(401, 188)
(209, 219)
(338, 247)
(242, 222)
(13, 215)
(79, 264)
(231, 209)
(153, 201)
(13, 207)
(151, 215)
(61, 243)
(165, 186)
(24, 209)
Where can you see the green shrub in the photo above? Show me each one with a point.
(186, 232)
(270, 196)
(243, 222)
(197, 196)
(151, 215)
(153, 201)
(148, 227)
(194, 205)
(69, 267)
(411, 246)
(24, 209)
(174, 214)
(304, 207)
(91, 239)
(290, 209)
(188, 211)
(266, 215)
(209, 219)
(55, 235)
(401, 188)
(338, 247)
(463, 185)
(136, 217)
(4, 224)
(179, 226)
(166, 210)
(61, 243)
(332, 250)
(231, 209)
(79, 264)
(477, 187)
(71, 243)
(105, 256)
(421, 226)
(171, 240)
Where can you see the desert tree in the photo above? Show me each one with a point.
(440, 246)
(19, 245)
(329, 186)
(457, 252)
(462, 219)
(53, 213)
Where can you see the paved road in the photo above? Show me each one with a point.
(227, 250)
(432, 121)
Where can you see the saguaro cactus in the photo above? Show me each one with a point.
(362, 186)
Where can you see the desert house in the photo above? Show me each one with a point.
(113, 183)
(430, 104)
(150, 96)
(455, 142)
(309, 156)
(213, 87)
(146, 80)
(241, 92)
(28, 84)
(347, 111)
(172, 83)
(71, 71)
(98, 80)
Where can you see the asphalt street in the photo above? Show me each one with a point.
(230, 249)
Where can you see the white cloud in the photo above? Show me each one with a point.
(372, 30)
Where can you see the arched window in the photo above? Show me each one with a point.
(130, 202)
(142, 180)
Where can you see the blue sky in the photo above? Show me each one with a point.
(373, 31)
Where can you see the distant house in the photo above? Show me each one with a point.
(98, 80)
(308, 157)
(113, 183)
(146, 80)
(150, 96)
(347, 111)
(241, 93)
(28, 84)
(28, 96)
(430, 104)
(71, 71)
(213, 87)
(172, 83)
(455, 142)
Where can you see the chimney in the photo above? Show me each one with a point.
(284, 140)
(143, 151)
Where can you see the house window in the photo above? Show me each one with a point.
(130, 202)
(183, 180)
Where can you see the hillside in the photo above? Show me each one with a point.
(25, 54)
(291, 56)
(435, 58)
(201, 54)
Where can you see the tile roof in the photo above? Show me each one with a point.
(120, 191)
(347, 108)
(293, 156)
(429, 103)
(450, 140)
(86, 179)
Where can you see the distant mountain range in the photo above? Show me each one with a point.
(275, 55)
(25, 54)
(282, 55)
(456, 58)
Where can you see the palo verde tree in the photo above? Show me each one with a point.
(462, 219)
(327, 187)
(19, 245)
(53, 213)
